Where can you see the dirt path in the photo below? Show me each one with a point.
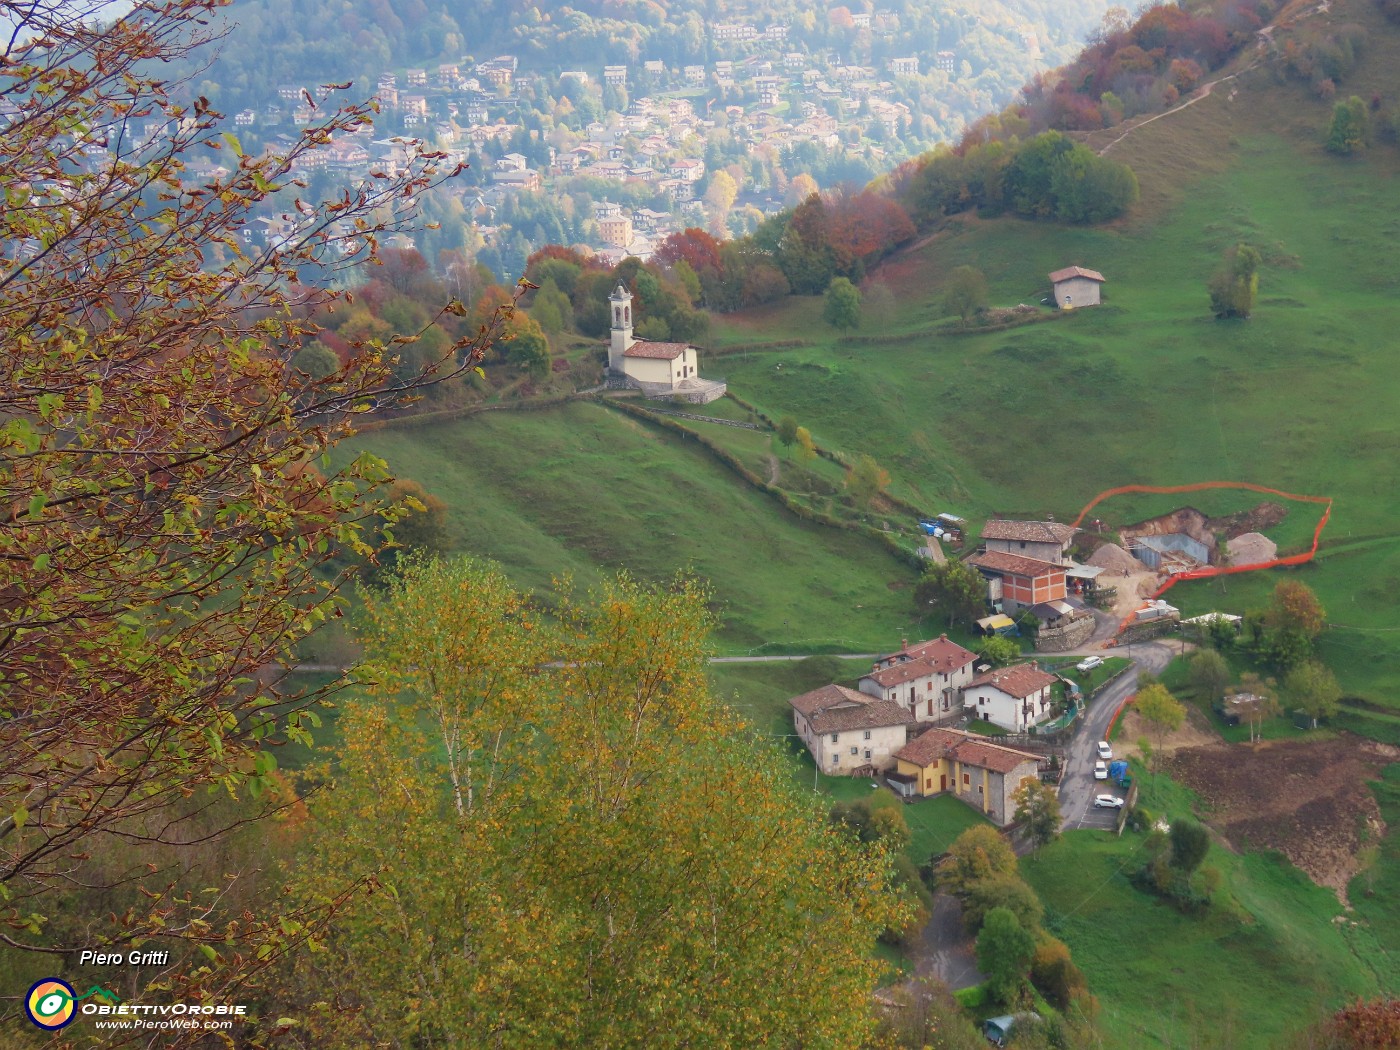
(772, 469)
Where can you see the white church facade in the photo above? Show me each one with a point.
(656, 369)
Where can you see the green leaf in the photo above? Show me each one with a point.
(209, 953)
(20, 817)
(233, 143)
(41, 563)
(37, 505)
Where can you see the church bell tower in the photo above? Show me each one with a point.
(621, 303)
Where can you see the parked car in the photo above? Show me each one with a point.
(1107, 802)
(1105, 751)
(1100, 770)
(1088, 664)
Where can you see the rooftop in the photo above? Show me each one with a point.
(1019, 680)
(659, 351)
(1074, 271)
(1028, 531)
(966, 748)
(834, 708)
(1015, 564)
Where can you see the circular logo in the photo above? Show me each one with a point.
(49, 1003)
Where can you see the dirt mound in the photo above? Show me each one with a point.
(1258, 518)
(1251, 548)
(1115, 559)
(1307, 799)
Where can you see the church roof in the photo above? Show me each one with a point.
(658, 351)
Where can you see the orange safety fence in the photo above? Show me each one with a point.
(1209, 571)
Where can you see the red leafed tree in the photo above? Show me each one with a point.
(866, 225)
(693, 246)
(1367, 1025)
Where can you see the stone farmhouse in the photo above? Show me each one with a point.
(927, 679)
(983, 774)
(1075, 286)
(1015, 697)
(659, 370)
(849, 733)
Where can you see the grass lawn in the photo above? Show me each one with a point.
(584, 491)
(1266, 960)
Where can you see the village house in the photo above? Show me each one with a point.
(927, 679)
(1075, 286)
(849, 733)
(657, 369)
(1015, 697)
(1015, 582)
(982, 774)
(1042, 540)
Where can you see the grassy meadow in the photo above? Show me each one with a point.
(580, 490)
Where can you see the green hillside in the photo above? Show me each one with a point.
(583, 490)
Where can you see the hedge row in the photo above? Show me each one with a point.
(835, 457)
(798, 509)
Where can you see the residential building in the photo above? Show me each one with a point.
(1015, 697)
(1042, 540)
(615, 75)
(927, 679)
(905, 67)
(1015, 582)
(849, 733)
(981, 773)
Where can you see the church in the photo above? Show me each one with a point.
(656, 369)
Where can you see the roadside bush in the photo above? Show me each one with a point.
(1002, 891)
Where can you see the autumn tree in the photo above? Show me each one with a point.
(966, 293)
(719, 199)
(978, 853)
(865, 480)
(841, 306)
(952, 588)
(1294, 607)
(1038, 811)
(1235, 284)
(1161, 712)
(1001, 891)
(511, 782)
(1312, 688)
(806, 446)
(167, 513)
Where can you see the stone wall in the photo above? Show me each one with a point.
(1069, 636)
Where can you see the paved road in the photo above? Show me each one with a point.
(1077, 784)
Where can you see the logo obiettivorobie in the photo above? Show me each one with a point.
(50, 1004)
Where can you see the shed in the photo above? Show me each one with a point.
(998, 1029)
(1075, 286)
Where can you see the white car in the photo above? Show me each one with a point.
(1089, 663)
(1100, 770)
(1107, 802)
(1105, 752)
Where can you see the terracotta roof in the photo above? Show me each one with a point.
(834, 708)
(967, 748)
(1074, 271)
(660, 351)
(1019, 680)
(942, 654)
(1028, 531)
(1016, 564)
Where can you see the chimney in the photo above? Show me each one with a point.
(943, 637)
(904, 645)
